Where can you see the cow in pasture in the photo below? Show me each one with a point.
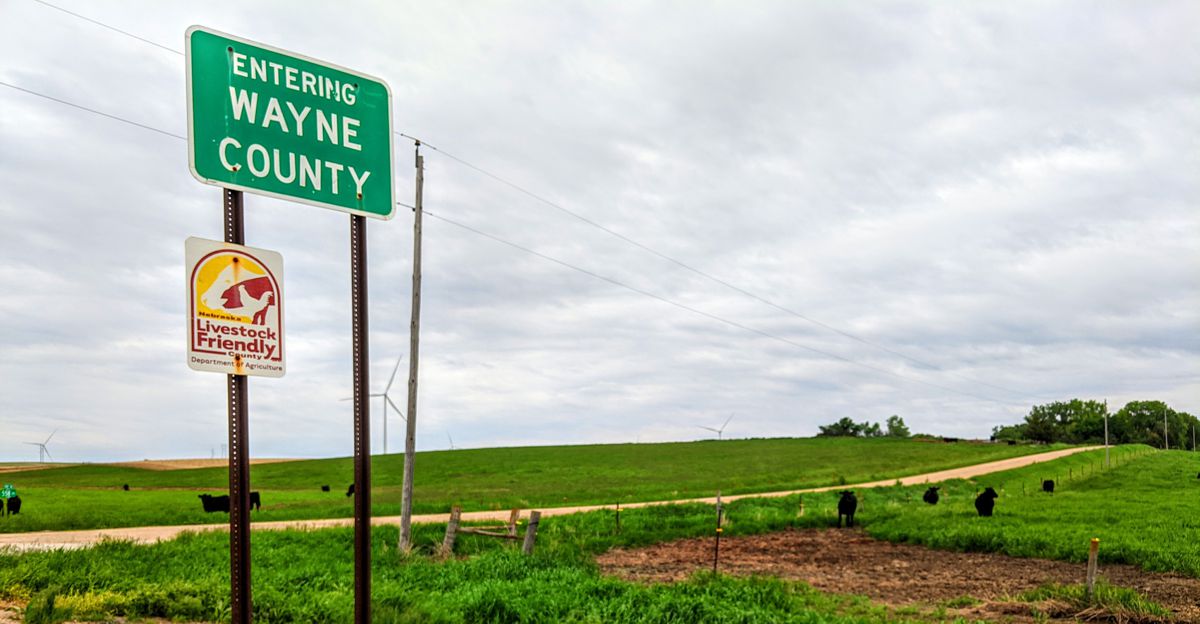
(255, 501)
(1048, 486)
(985, 502)
(950, 440)
(125, 487)
(931, 496)
(350, 492)
(846, 506)
(213, 504)
(324, 488)
(14, 505)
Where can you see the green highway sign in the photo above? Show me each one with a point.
(8, 491)
(276, 123)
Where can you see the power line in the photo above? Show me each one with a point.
(702, 273)
(581, 270)
(707, 315)
(112, 28)
(93, 111)
(619, 236)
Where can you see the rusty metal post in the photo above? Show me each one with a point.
(239, 452)
(362, 421)
(717, 545)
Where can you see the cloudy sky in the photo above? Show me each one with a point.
(947, 211)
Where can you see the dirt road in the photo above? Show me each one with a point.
(48, 540)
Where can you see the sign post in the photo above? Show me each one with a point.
(280, 124)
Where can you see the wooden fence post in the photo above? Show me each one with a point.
(512, 522)
(447, 548)
(531, 532)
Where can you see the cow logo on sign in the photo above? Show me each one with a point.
(235, 308)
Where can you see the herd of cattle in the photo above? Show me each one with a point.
(985, 502)
(214, 504)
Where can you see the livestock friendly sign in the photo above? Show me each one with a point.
(235, 309)
(276, 123)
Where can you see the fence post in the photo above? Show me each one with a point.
(531, 532)
(1091, 569)
(618, 517)
(447, 548)
(512, 521)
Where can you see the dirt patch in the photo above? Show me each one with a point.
(184, 464)
(850, 562)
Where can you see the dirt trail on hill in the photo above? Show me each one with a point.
(50, 540)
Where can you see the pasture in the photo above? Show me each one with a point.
(307, 575)
(90, 496)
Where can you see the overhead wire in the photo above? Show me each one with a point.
(557, 207)
(623, 237)
(583, 270)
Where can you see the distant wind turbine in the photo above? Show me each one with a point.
(720, 431)
(44, 452)
(451, 440)
(387, 400)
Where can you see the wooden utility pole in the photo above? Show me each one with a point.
(410, 438)
(1166, 442)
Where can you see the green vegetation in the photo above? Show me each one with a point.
(303, 576)
(90, 496)
(1146, 512)
(307, 576)
(1125, 604)
(846, 428)
(1082, 422)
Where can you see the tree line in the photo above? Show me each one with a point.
(1082, 422)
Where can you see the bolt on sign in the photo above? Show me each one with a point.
(277, 123)
(235, 309)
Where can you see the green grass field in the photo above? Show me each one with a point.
(307, 576)
(90, 496)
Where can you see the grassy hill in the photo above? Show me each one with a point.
(90, 496)
(1142, 509)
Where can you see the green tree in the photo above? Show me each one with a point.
(842, 428)
(896, 427)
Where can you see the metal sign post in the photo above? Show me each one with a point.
(239, 453)
(362, 421)
(281, 124)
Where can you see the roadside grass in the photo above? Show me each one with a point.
(1122, 603)
(1146, 512)
(307, 576)
(89, 496)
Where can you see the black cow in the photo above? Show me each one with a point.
(985, 502)
(125, 487)
(14, 505)
(931, 495)
(350, 492)
(324, 488)
(846, 506)
(213, 504)
(1048, 486)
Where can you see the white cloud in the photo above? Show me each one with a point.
(1006, 192)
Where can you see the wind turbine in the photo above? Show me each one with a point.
(44, 452)
(387, 400)
(720, 431)
(451, 438)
